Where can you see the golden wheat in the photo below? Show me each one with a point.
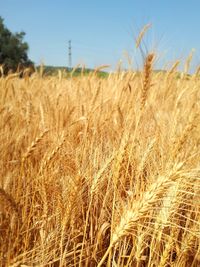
(115, 182)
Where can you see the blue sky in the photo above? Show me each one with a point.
(102, 30)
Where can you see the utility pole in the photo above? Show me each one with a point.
(70, 54)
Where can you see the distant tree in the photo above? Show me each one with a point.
(13, 50)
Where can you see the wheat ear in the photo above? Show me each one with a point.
(52, 155)
(8, 201)
(140, 208)
(147, 78)
(141, 34)
(33, 146)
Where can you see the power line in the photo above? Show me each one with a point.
(70, 54)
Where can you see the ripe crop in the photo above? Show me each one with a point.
(100, 171)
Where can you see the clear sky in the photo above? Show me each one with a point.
(102, 30)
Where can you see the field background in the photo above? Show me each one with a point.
(100, 171)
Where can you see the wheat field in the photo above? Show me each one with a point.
(100, 171)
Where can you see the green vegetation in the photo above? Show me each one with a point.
(53, 71)
(13, 50)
